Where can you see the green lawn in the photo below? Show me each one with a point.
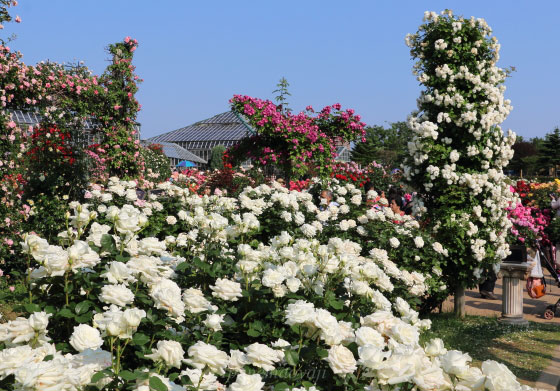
(525, 350)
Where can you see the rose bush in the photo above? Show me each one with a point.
(183, 292)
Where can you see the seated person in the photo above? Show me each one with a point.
(396, 204)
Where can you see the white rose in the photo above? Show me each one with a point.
(118, 272)
(205, 381)
(432, 378)
(419, 242)
(116, 294)
(85, 337)
(394, 242)
(405, 334)
(133, 316)
(245, 382)
(371, 356)
(203, 355)
(455, 362)
(226, 289)
(167, 295)
(171, 220)
(368, 336)
(499, 377)
(435, 348)
(293, 284)
(262, 356)
(341, 360)
(81, 255)
(195, 301)
(472, 379)
(299, 312)
(237, 360)
(170, 352)
(39, 321)
(214, 321)
(272, 278)
(151, 245)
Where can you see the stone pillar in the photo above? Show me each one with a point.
(513, 275)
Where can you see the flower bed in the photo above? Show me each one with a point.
(262, 291)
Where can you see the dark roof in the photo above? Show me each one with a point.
(175, 151)
(221, 127)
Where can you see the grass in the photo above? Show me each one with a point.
(526, 350)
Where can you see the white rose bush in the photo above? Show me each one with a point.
(459, 150)
(232, 296)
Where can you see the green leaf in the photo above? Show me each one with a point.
(98, 376)
(31, 308)
(108, 244)
(156, 384)
(140, 339)
(82, 307)
(253, 333)
(182, 266)
(127, 375)
(292, 357)
(281, 386)
(48, 358)
(65, 313)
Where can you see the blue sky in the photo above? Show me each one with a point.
(195, 55)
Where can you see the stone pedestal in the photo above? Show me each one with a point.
(512, 293)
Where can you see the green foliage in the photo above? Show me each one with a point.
(283, 93)
(549, 152)
(386, 146)
(156, 164)
(216, 157)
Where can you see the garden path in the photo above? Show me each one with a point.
(533, 310)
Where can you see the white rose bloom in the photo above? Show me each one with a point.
(394, 242)
(455, 362)
(170, 352)
(209, 382)
(341, 360)
(237, 360)
(39, 321)
(151, 245)
(55, 261)
(85, 337)
(214, 321)
(293, 284)
(81, 255)
(371, 356)
(203, 355)
(300, 312)
(118, 273)
(405, 334)
(171, 220)
(262, 356)
(195, 301)
(272, 278)
(226, 289)
(499, 377)
(432, 377)
(368, 336)
(117, 294)
(167, 295)
(245, 382)
(419, 242)
(435, 348)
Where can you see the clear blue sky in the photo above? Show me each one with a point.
(194, 55)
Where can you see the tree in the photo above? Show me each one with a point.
(283, 92)
(387, 146)
(549, 153)
(522, 152)
(458, 150)
(216, 157)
